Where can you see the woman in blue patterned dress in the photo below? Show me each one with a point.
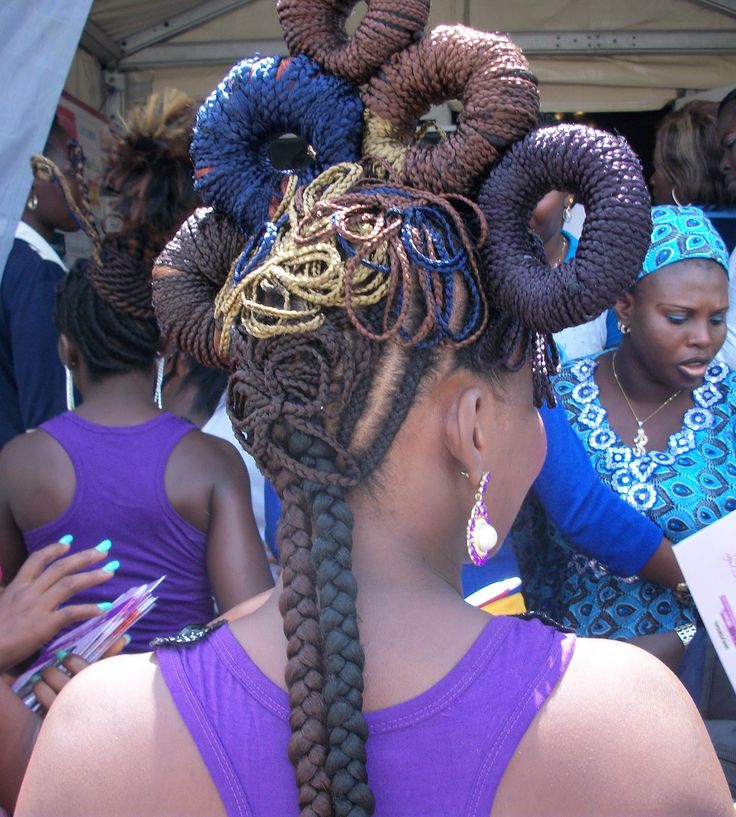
(658, 418)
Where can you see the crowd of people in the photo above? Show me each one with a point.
(378, 379)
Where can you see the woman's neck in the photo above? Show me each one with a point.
(555, 249)
(124, 399)
(32, 220)
(640, 385)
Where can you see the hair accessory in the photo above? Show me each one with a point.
(70, 404)
(157, 395)
(681, 234)
(481, 537)
(623, 328)
(32, 202)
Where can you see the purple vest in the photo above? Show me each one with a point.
(441, 753)
(120, 495)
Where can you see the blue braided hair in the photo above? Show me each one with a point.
(259, 100)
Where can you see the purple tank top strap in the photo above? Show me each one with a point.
(442, 752)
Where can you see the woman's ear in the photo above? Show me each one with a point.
(623, 308)
(67, 351)
(464, 432)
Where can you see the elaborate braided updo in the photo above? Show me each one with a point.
(330, 316)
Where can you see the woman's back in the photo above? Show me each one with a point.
(119, 476)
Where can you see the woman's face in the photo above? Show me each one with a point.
(677, 317)
(52, 209)
(661, 186)
(727, 139)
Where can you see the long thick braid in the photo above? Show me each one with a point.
(332, 539)
(304, 670)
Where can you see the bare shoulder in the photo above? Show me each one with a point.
(210, 452)
(20, 452)
(107, 747)
(619, 735)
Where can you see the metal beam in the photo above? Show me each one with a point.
(179, 23)
(226, 52)
(726, 6)
(568, 43)
(99, 44)
(574, 43)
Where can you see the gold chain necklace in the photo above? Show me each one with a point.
(640, 438)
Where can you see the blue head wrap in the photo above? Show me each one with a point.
(679, 234)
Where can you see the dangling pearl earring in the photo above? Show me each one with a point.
(157, 396)
(481, 537)
(70, 405)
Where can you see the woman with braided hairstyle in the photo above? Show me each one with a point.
(174, 501)
(385, 380)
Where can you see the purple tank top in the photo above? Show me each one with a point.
(120, 495)
(441, 753)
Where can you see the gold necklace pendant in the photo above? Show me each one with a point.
(640, 438)
(640, 442)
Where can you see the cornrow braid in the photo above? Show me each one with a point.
(111, 342)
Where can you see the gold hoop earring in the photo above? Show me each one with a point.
(481, 537)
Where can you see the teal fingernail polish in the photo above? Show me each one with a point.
(35, 678)
(112, 566)
(105, 606)
(61, 654)
(104, 546)
(67, 539)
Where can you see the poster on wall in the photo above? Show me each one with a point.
(95, 134)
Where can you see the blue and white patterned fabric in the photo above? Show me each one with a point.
(682, 489)
(682, 234)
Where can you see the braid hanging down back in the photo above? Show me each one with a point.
(334, 296)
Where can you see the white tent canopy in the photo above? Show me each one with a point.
(594, 55)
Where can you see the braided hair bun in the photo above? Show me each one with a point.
(606, 174)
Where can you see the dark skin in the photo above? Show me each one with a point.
(677, 321)
(205, 482)
(51, 212)
(30, 615)
(547, 221)
(408, 547)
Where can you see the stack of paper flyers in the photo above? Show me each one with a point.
(93, 638)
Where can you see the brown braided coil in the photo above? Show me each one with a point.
(191, 270)
(487, 73)
(603, 171)
(317, 28)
